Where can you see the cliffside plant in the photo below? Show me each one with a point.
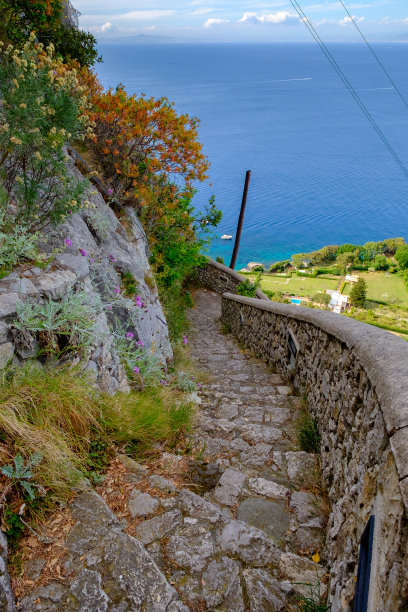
(358, 293)
(60, 326)
(142, 365)
(41, 108)
(51, 411)
(248, 288)
(137, 138)
(19, 17)
(19, 475)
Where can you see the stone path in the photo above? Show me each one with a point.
(235, 534)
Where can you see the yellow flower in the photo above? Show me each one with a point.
(15, 140)
(316, 557)
(23, 105)
(38, 155)
(53, 130)
(19, 179)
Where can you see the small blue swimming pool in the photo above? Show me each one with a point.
(295, 301)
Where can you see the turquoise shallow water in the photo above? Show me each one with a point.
(320, 174)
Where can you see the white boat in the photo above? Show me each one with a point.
(226, 237)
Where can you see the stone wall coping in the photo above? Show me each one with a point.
(235, 275)
(383, 356)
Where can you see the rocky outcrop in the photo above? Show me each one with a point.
(94, 253)
(6, 594)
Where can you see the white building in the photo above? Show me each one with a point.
(338, 302)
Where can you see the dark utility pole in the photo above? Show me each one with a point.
(240, 221)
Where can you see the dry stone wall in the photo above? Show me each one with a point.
(221, 279)
(356, 380)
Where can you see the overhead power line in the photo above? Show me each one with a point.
(347, 83)
(375, 55)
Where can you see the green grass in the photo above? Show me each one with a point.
(296, 285)
(386, 288)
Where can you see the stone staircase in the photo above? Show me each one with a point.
(237, 535)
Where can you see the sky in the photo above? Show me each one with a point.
(243, 20)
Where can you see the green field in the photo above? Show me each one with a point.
(384, 287)
(297, 285)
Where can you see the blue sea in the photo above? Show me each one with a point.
(320, 174)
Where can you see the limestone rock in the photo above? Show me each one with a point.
(265, 594)
(251, 545)
(158, 482)
(197, 507)
(159, 526)
(221, 585)
(268, 488)
(6, 594)
(6, 353)
(54, 285)
(190, 547)
(142, 504)
(256, 434)
(301, 573)
(229, 487)
(301, 466)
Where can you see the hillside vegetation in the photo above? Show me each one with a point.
(57, 430)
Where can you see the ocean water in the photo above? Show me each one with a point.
(320, 174)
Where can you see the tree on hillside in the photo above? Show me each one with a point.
(322, 298)
(358, 294)
(45, 17)
(345, 259)
(401, 255)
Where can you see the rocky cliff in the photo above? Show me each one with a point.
(90, 253)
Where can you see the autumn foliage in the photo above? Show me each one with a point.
(138, 139)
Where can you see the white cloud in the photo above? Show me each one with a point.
(347, 20)
(273, 18)
(211, 22)
(106, 26)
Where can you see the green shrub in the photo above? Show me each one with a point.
(140, 420)
(247, 288)
(141, 365)
(130, 284)
(51, 412)
(280, 266)
(60, 326)
(19, 17)
(358, 293)
(41, 108)
(307, 274)
(401, 255)
(322, 298)
(219, 259)
(308, 433)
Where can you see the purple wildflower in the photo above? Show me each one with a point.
(140, 343)
(164, 382)
(199, 385)
(68, 242)
(185, 339)
(109, 307)
(136, 370)
(117, 290)
(92, 259)
(110, 191)
(83, 252)
(111, 257)
(129, 335)
(69, 212)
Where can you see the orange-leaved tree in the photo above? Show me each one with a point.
(137, 139)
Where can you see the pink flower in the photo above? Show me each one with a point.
(130, 335)
(110, 191)
(163, 382)
(136, 370)
(83, 252)
(111, 257)
(117, 290)
(109, 307)
(185, 339)
(68, 242)
(140, 343)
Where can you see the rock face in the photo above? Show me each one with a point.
(6, 594)
(110, 570)
(101, 251)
